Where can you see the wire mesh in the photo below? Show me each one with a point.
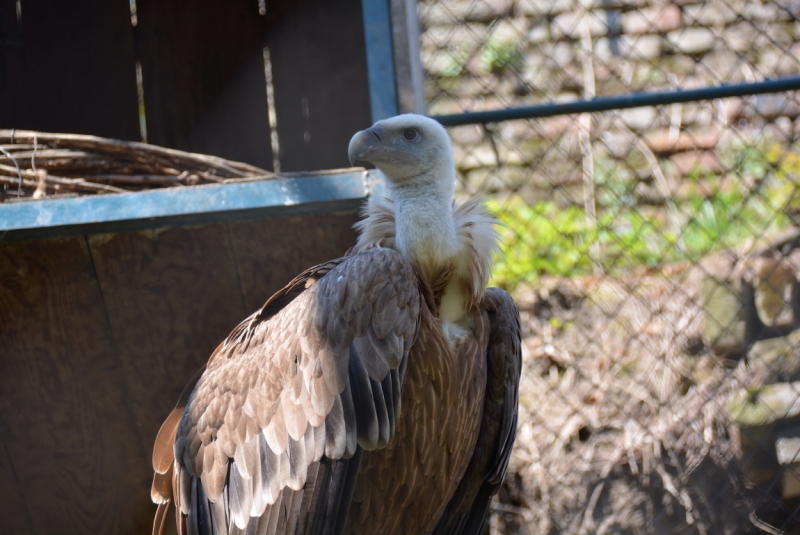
(653, 253)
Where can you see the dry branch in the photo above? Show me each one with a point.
(90, 165)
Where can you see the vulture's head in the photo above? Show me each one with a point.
(408, 149)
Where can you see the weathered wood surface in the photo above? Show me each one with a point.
(171, 295)
(320, 74)
(11, 497)
(203, 73)
(98, 336)
(69, 67)
(271, 252)
(11, 64)
(64, 410)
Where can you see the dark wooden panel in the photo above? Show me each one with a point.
(172, 296)
(78, 71)
(320, 75)
(64, 414)
(13, 100)
(272, 252)
(12, 498)
(203, 72)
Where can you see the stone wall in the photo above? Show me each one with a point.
(497, 53)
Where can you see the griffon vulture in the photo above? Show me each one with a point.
(376, 393)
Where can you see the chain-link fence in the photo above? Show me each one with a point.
(653, 252)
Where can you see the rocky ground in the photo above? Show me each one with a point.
(639, 413)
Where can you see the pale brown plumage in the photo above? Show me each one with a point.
(347, 405)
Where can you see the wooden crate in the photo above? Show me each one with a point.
(110, 303)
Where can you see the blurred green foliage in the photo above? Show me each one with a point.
(758, 196)
(498, 55)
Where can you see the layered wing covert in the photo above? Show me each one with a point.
(271, 436)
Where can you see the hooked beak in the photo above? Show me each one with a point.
(364, 143)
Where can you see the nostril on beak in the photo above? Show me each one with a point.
(376, 132)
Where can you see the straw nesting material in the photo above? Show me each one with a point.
(40, 164)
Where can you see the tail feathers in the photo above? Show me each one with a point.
(160, 519)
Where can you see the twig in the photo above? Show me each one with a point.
(763, 526)
(585, 134)
(138, 150)
(588, 520)
(163, 180)
(19, 173)
(90, 164)
(69, 183)
(33, 156)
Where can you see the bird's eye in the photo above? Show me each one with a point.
(410, 134)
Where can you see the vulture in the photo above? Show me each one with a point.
(376, 393)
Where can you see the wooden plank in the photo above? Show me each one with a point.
(11, 496)
(64, 412)
(172, 296)
(203, 73)
(320, 77)
(78, 73)
(13, 98)
(272, 252)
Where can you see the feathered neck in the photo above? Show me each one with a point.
(473, 231)
(425, 232)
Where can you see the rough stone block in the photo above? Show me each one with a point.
(723, 312)
(539, 33)
(571, 24)
(534, 8)
(626, 46)
(639, 118)
(696, 161)
(449, 12)
(770, 12)
(787, 449)
(456, 37)
(776, 357)
(774, 105)
(437, 14)
(662, 140)
(767, 421)
(493, 179)
(612, 4)
(774, 278)
(660, 19)
(775, 61)
(475, 157)
(708, 14)
(765, 405)
(692, 41)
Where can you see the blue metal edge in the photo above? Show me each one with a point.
(380, 58)
(198, 205)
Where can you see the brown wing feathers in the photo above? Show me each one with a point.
(317, 372)
(466, 513)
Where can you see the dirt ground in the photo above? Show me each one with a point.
(624, 426)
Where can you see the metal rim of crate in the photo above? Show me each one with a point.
(170, 207)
